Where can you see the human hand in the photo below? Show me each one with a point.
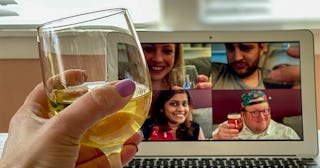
(294, 52)
(203, 82)
(34, 140)
(226, 131)
(290, 73)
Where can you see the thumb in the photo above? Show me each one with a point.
(294, 52)
(92, 107)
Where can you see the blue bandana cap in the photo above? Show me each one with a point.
(247, 98)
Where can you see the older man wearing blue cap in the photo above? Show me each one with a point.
(257, 123)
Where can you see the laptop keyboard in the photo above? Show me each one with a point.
(163, 162)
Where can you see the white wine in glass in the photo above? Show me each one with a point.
(82, 52)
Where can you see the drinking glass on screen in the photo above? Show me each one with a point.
(278, 58)
(82, 52)
(235, 118)
(184, 77)
(269, 83)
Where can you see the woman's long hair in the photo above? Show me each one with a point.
(178, 61)
(159, 118)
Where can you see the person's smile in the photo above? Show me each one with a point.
(156, 69)
(179, 114)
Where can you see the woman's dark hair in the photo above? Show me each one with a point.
(159, 118)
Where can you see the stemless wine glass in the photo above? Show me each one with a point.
(185, 77)
(102, 47)
(278, 58)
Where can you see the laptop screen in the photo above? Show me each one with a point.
(250, 88)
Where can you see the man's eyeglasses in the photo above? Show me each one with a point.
(256, 113)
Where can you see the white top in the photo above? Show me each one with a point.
(274, 131)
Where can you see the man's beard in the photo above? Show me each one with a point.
(251, 69)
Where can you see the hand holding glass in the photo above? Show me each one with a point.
(278, 60)
(82, 52)
(269, 83)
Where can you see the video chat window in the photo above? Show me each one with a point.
(227, 67)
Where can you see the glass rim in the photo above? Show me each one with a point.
(234, 115)
(185, 66)
(59, 22)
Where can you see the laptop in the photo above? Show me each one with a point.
(293, 107)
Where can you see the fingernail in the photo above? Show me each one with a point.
(141, 134)
(125, 87)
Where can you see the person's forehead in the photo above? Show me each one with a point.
(257, 106)
(179, 96)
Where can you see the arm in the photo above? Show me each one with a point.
(225, 131)
(201, 134)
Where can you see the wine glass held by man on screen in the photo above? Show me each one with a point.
(103, 48)
(283, 75)
(289, 73)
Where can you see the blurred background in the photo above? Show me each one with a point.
(174, 14)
